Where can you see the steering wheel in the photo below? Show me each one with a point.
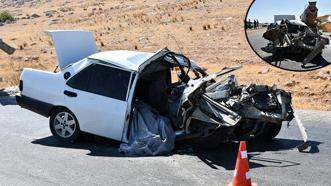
(183, 76)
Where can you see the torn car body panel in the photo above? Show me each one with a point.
(239, 103)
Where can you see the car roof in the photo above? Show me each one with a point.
(130, 60)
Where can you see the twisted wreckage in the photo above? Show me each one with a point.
(297, 37)
(134, 97)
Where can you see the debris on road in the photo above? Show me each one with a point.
(303, 133)
(6, 48)
(7, 96)
(10, 91)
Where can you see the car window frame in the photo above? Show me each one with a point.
(77, 74)
(111, 68)
(102, 63)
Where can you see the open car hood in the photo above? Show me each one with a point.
(72, 45)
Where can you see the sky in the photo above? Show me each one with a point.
(264, 10)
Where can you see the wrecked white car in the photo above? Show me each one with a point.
(133, 97)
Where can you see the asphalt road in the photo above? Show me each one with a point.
(30, 156)
(287, 62)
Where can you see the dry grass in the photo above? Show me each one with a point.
(210, 32)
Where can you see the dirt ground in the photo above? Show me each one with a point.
(209, 31)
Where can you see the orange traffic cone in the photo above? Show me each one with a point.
(242, 176)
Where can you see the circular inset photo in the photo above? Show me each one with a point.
(293, 35)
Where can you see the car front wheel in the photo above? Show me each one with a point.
(64, 125)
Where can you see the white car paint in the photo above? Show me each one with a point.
(39, 80)
(130, 60)
(96, 114)
(72, 46)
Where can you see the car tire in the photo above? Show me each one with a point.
(64, 125)
(270, 131)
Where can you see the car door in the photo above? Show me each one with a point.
(98, 98)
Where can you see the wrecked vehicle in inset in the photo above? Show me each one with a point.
(297, 37)
(135, 97)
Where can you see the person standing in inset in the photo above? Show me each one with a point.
(257, 23)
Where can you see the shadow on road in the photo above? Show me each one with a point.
(97, 146)
(6, 99)
(280, 60)
(224, 155)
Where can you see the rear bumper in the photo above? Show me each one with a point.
(34, 105)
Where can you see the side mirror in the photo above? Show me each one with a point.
(67, 75)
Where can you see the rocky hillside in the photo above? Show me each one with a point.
(20, 3)
(209, 31)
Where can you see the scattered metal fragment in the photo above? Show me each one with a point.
(303, 133)
(6, 48)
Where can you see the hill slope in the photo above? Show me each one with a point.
(210, 32)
